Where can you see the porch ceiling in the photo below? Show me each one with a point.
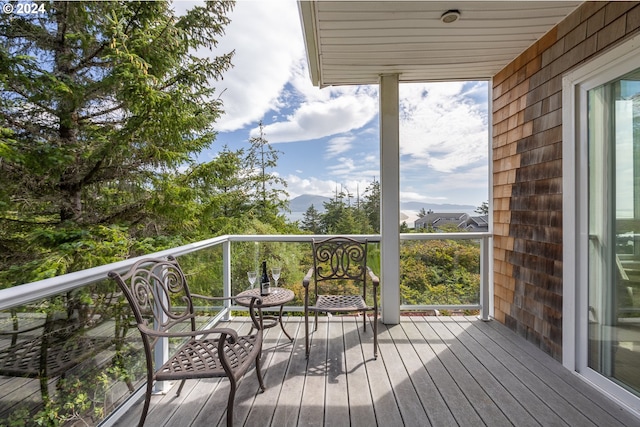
(354, 42)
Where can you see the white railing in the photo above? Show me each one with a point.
(23, 294)
(485, 268)
(28, 293)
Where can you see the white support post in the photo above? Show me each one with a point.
(485, 293)
(161, 350)
(390, 198)
(486, 254)
(226, 277)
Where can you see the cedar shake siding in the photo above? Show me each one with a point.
(527, 168)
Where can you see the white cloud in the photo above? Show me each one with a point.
(339, 144)
(298, 185)
(317, 119)
(269, 53)
(410, 196)
(267, 39)
(465, 186)
(324, 187)
(441, 127)
(343, 167)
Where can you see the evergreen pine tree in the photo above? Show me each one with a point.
(103, 104)
(312, 221)
(268, 189)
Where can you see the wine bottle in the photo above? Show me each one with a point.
(265, 285)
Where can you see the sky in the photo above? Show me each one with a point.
(328, 138)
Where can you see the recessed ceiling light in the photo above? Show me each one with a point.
(450, 16)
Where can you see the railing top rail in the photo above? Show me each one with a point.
(440, 236)
(29, 292)
(22, 294)
(301, 238)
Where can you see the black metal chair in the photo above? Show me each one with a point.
(159, 296)
(339, 275)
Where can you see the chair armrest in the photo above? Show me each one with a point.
(374, 278)
(307, 278)
(229, 334)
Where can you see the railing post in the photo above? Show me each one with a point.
(226, 277)
(161, 350)
(485, 295)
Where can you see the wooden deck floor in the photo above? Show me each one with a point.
(438, 371)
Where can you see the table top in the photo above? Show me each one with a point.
(278, 296)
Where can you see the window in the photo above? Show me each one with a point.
(613, 129)
(601, 221)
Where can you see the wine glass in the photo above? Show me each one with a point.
(275, 272)
(252, 275)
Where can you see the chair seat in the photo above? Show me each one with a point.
(339, 303)
(198, 358)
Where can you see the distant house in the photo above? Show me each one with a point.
(437, 221)
(477, 223)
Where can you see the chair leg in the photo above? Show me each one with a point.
(180, 388)
(306, 333)
(147, 402)
(364, 320)
(259, 371)
(232, 395)
(375, 334)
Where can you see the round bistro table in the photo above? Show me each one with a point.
(277, 297)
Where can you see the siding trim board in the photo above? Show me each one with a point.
(527, 168)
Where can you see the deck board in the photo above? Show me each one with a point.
(439, 371)
(312, 405)
(361, 411)
(275, 368)
(583, 399)
(418, 356)
(290, 391)
(385, 406)
(499, 369)
(481, 401)
(407, 399)
(490, 390)
(525, 367)
(336, 394)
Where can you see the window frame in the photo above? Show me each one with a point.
(576, 83)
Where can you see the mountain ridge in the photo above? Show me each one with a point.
(303, 202)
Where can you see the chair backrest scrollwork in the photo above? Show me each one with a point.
(341, 260)
(158, 294)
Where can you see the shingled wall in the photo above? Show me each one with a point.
(527, 168)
